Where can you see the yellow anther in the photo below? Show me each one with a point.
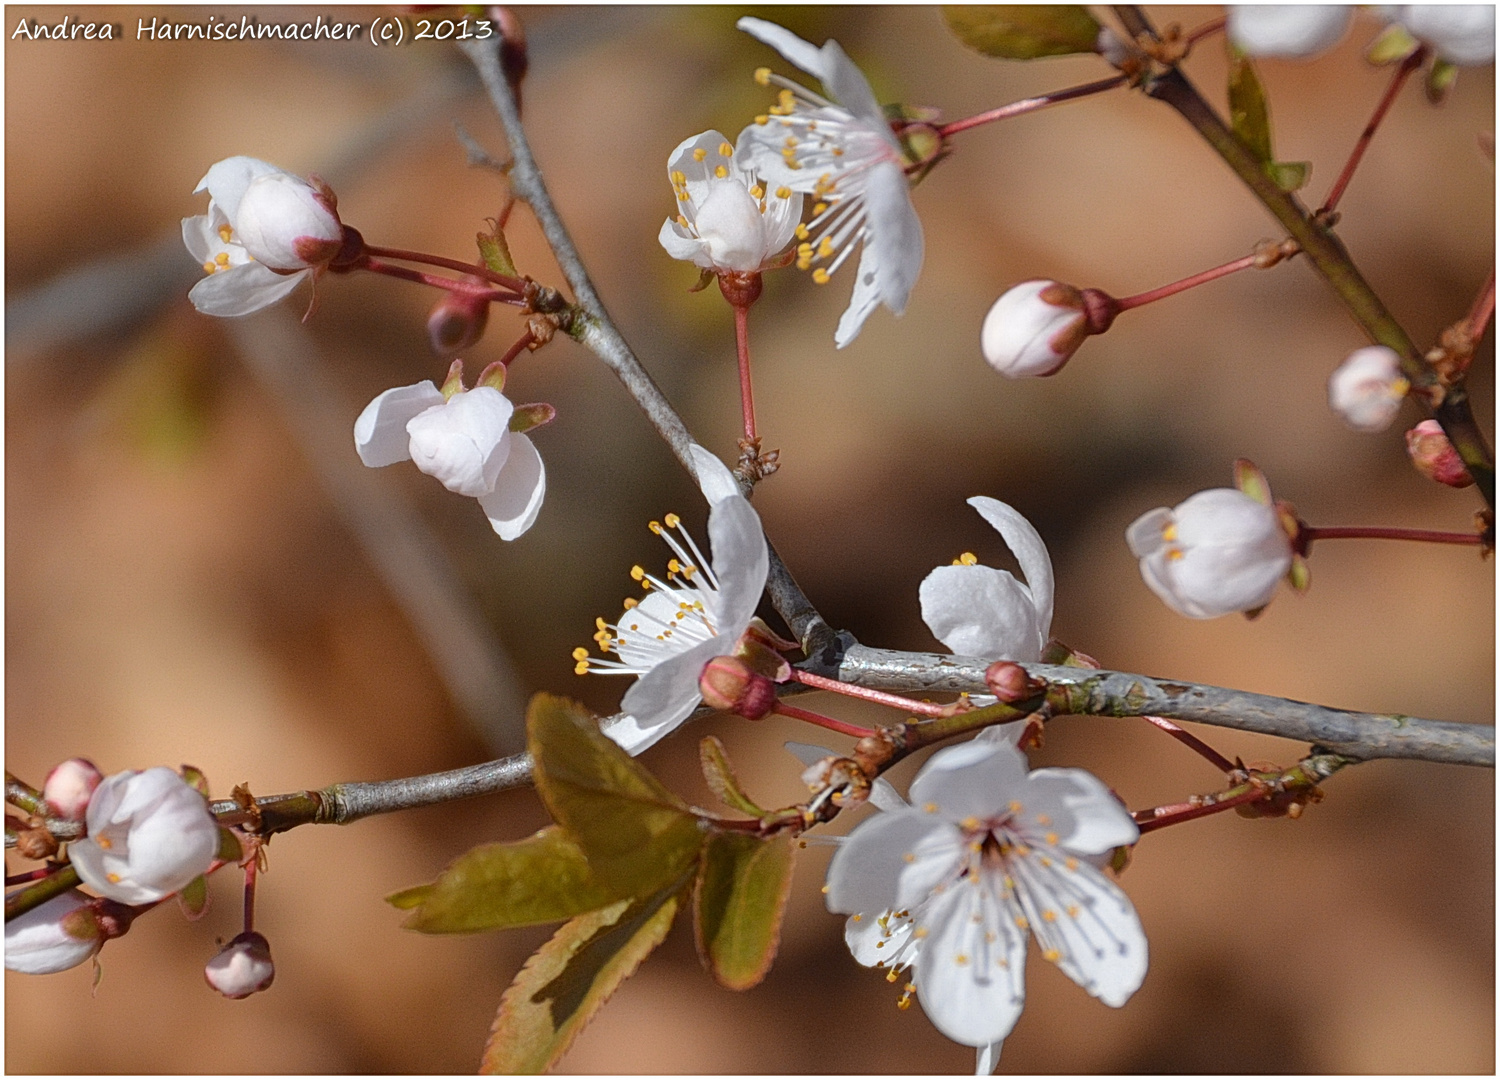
(222, 258)
(225, 232)
(892, 975)
(699, 154)
(1175, 554)
(904, 1002)
(581, 668)
(681, 220)
(600, 624)
(857, 918)
(721, 172)
(113, 878)
(726, 150)
(1169, 534)
(1052, 955)
(825, 247)
(804, 262)
(791, 140)
(675, 567)
(580, 653)
(969, 824)
(787, 100)
(1043, 819)
(802, 233)
(837, 151)
(763, 76)
(105, 843)
(210, 267)
(818, 208)
(919, 933)
(820, 276)
(961, 959)
(1051, 838)
(908, 858)
(1071, 863)
(672, 521)
(1015, 807)
(968, 558)
(1045, 861)
(783, 192)
(762, 120)
(1072, 911)
(825, 890)
(637, 574)
(1022, 922)
(757, 192)
(679, 177)
(1049, 915)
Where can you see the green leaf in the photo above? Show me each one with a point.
(541, 879)
(1290, 175)
(1023, 31)
(635, 833)
(1248, 115)
(743, 882)
(1392, 44)
(496, 252)
(566, 981)
(721, 779)
(192, 898)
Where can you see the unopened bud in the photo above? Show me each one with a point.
(1037, 326)
(1367, 388)
(1009, 682)
(457, 321)
(242, 968)
(1434, 456)
(53, 936)
(69, 787)
(730, 684)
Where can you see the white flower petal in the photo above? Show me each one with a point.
(667, 694)
(885, 797)
(895, 233)
(866, 298)
(872, 944)
(970, 987)
(678, 244)
(1288, 30)
(1145, 533)
(1461, 33)
(740, 561)
(809, 753)
(713, 476)
(1027, 546)
(981, 611)
(517, 499)
(380, 432)
(987, 1059)
(804, 54)
(890, 856)
(198, 235)
(1084, 813)
(1094, 932)
(971, 780)
(227, 180)
(36, 942)
(631, 736)
(464, 443)
(242, 289)
(847, 85)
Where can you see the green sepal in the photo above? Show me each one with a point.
(492, 376)
(1392, 44)
(705, 278)
(926, 114)
(565, 982)
(743, 883)
(719, 774)
(1248, 114)
(1055, 652)
(454, 383)
(1023, 31)
(1249, 479)
(229, 846)
(543, 878)
(634, 832)
(495, 252)
(194, 778)
(1440, 79)
(1299, 577)
(531, 416)
(762, 659)
(192, 898)
(1119, 858)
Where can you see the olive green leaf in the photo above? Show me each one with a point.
(1248, 115)
(743, 882)
(496, 252)
(1023, 31)
(721, 779)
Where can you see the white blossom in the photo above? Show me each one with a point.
(465, 441)
(1033, 329)
(726, 218)
(1219, 551)
(44, 940)
(842, 152)
(986, 854)
(699, 612)
(1462, 34)
(149, 834)
(241, 968)
(264, 232)
(1367, 388)
(1290, 31)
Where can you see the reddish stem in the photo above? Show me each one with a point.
(1410, 64)
(1213, 26)
(30, 875)
(1484, 307)
(250, 870)
(406, 273)
(516, 349)
(895, 701)
(1164, 291)
(852, 730)
(742, 350)
(1026, 105)
(477, 269)
(1306, 534)
(1175, 814)
(1187, 738)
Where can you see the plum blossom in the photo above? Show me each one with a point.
(51, 937)
(1462, 34)
(843, 153)
(1034, 329)
(468, 439)
(698, 613)
(1288, 31)
(149, 834)
(1367, 388)
(1217, 552)
(980, 611)
(951, 885)
(241, 968)
(726, 220)
(264, 232)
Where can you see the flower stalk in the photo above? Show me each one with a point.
(1306, 534)
(1398, 79)
(505, 281)
(1031, 104)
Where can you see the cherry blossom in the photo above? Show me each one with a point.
(986, 854)
(1289, 31)
(1367, 388)
(53, 936)
(726, 219)
(843, 153)
(241, 968)
(264, 232)
(1462, 34)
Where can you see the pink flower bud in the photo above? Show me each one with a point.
(287, 223)
(1434, 456)
(1367, 388)
(730, 684)
(242, 968)
(52, 937)
(69, 787)
(1036, 326)
(457, 321)
(1009, 682)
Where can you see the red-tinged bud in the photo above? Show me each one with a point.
(1035, 327)
(69, 787)
(242, 968)
(730, 684)
(1009, 682)
(1434, 456)
(457, 321)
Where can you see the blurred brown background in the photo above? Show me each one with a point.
(183, 583)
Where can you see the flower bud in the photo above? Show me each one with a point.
(1036, 326)
(287, 223)
(242, 968)
(1289, 31)
(1367, 388)
(1009, 682)
(1434, 456)
(52, 937)
(69, 787)
(457, 321)
(464, 443)
(729, 683)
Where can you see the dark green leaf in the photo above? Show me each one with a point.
(743, 882)
(543, 878)
(635, 833)
(721, 779)
(1023, 31)
(192, 898)
(1290, 175)
(496, 252)
(1248, 115)
(563, 984)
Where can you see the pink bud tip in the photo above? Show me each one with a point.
(1009, 682)
(730, 684)
(1434, 456)
(69, 787)
(242, 968)
(457, 321)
